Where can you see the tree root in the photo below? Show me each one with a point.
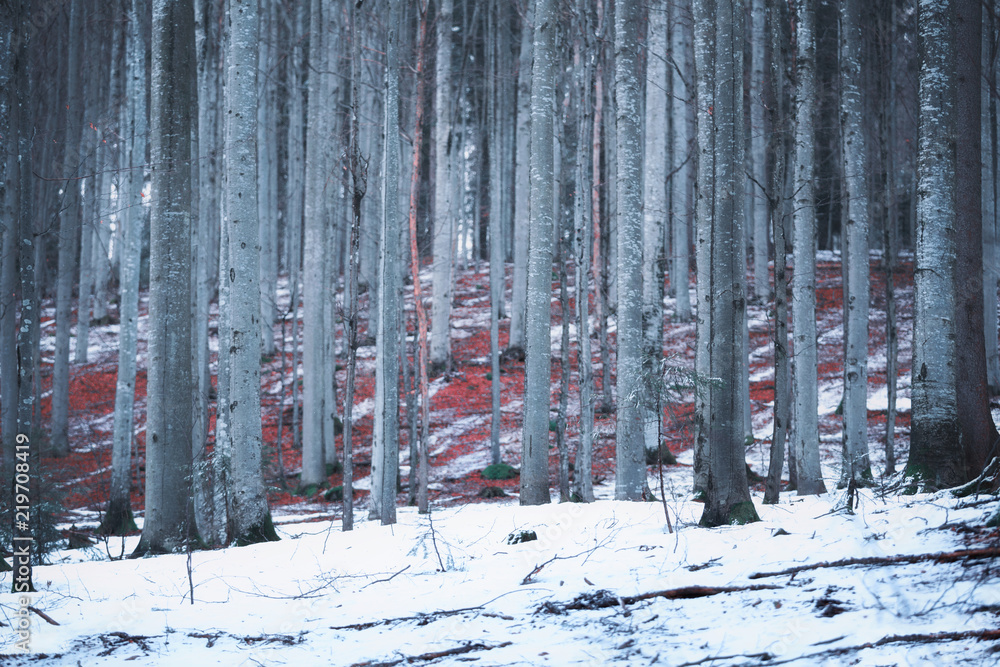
(946, 557)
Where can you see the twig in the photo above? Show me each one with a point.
(713, 658)
(948, 557)
(982, 635)
(434, 655)
(389, 578)
(424, 618)
(48, 619)
(434, 539)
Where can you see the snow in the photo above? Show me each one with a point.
(287, 602)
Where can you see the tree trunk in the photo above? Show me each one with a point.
(494, 43)
(936, 456)
(267, 171)
(314, 244)
(682, 170)
(250, 518)
(118, 517)
(727, 498)
(522, 183)
(758, 151)
(855, 465)
(630, 463)
(704, 59)
(538, 352)
(654, 212)
(10, 235)
(980, 441)
(69, 231)
(805, 406)
(168, 519)
(385, 452)
(444, 219)
(583, 483)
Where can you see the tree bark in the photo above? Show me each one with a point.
(522, 184)
(936, 457)
(805, 406)
(538, 352)
(855, 465)
(168, 519)
(727, 498)
(118, 517)
(443, 216)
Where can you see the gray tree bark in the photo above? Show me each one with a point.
(314, 245)
(758, 151)
(630, 463)
(856, 464)
(249, 516)
(522, 184)
(805, 405)
(168, 519)
(727, 496)
(682, 168)
(69, 230)
(385, 448)
(704, 57)
(444, 221)
(538, 352)
(118, 517)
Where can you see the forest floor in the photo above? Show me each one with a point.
(602, 582)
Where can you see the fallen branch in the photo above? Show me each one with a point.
(986, 482)
(905, 559)
(423, 618)
(389, 578)
(434, 655)
(603, 599)
(981, 635)
(41, 613)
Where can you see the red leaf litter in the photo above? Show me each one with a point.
(460, 401)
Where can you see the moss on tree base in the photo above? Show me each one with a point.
(118, 520)
(738, 514)
(261, 532)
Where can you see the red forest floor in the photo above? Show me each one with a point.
(460, 403)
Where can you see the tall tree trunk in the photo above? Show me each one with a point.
(249, 517)
(10, 235)
(704, 58)
(385, 453)
(314, 245)
(727, 499)
(266, 140)
(27, 261)
(630, 463)
(682, 169)
(936, 456)
(855, 465)
(758, 151)
(538, 352)
(780, 147)
(421, 354)
(991, 203)
(69, 231)
(654, 215)
(118, 517)
(979, 437)
(444, 219)
(805, 406)
(168, 519)
(583, 483)
(522, 183)
(494, 40)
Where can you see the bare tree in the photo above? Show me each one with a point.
(168, 519)
(727, 497)
(538, 351)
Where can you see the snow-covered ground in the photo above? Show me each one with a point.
(384, 594)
